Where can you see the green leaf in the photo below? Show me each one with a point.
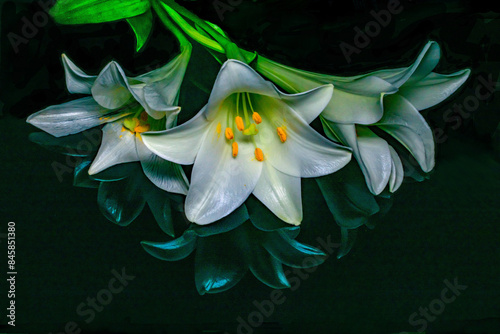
(141, 25)
(97, 11)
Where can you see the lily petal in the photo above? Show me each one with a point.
(371, 152)
(237, 77)
(164, 174)
(219, 262)
(280, 193)
(305, 153)
(266, 267)
(311, 103)
(73, 117)
(433, 89)
(426, 61)
(162, 87)
(397, 171)
(121, 201)
(291, 252)
(77, 81)
(174, 250)
(356, 99)
(346, 107)
(118, 146)
(219, 182)
(181, 143)
(111, 88)
(402, 121)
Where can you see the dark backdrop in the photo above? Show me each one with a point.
(444, 228)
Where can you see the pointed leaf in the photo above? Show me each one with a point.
(96, 11)
(141, 25)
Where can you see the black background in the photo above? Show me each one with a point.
(442, 228)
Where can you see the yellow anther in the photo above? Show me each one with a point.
(235, 149)
(229, 133)
(239, 123)
(281, 134)
(144, 116)
(259, 155)
(142, 128)
(123, 129)
(218, 129)
(256, 117)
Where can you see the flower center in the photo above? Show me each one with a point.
(244, 121)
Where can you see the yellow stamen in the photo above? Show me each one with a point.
(123, 129)
(229, 133)
(235, 149)
(142, 128)
(144, 116)
(256, 117)
(218, 129)
(281, 134)
(239, 123)
(259, 155)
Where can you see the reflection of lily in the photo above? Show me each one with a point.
(250, 138)
(388, 99)
(226, 250)
(351, 203)
(123, 190)
(129, 107)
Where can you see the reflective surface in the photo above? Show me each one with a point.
(439, 230)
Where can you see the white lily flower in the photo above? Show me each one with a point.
(250, 138)
(388, 99)
(128, 107)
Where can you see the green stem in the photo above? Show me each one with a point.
(183, 41)
(192, 32)
(222, 40)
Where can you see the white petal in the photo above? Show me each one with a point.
(397, 171)
(426, 61)
(370, 151)
(164, 174)
(117, 147)
(219, 182)
(163, 85)
(111, 89)
(349, 108)
(280, 193)
(311, 103)
(305, 153)
(237, 77)
(181, 143)
(402, 121)
(77, 81)
(73, 117)
(433, 89)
